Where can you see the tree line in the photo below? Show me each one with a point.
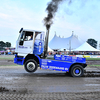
(4, 44)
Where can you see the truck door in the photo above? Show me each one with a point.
(26, 42)
(39, 43)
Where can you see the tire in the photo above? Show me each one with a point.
(76, 71)
(31, 65)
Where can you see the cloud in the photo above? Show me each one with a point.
(4, 16)
(13, 17)
(83, 9)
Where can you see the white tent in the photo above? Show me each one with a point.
(54, 43)
(62, 49)
(49, 49)
(69, 43)
(85, 47)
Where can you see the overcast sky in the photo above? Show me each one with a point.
(81, 16)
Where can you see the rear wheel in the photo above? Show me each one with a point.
(31, 65)
(77, 71)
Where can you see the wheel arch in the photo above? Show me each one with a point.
(82, 64)
(32, 56)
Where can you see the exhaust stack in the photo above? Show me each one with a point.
(46, 41)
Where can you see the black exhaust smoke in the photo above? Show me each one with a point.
(48, 21)
(51, 10)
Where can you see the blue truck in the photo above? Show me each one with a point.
(31, 51)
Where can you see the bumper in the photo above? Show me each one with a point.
(19, 60)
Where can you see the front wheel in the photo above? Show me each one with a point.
(31, 65)
(77, 71)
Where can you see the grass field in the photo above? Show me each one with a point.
(6, 57)
(11, 57)
(92, 58)
(94, 65)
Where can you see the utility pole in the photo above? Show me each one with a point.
(69, 46)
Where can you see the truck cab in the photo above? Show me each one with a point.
(29, 45)
(30, 42)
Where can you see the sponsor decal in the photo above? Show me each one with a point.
(79, 58)
(58, 55)
(63, 58)
(98, 56)
(44, 62)
(73, 55)
(43, 66)
(79, 55)
(54, 67)
(23, 47)
(49, 61)
(66, 68)
(86, 56)
(41, 37)
(40, 45)
(95, 56)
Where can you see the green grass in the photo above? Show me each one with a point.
(94, 65)
(11, 65)
(3, 58)
(92, 58)
(6, 57)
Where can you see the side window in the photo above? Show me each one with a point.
(37, 35)
(26, 36)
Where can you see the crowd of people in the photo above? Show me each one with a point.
(7, 53)
(72, 53)
(12, 52)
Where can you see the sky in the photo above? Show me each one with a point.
(80, 16)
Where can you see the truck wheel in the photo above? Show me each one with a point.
(77, 71)
(31, 65)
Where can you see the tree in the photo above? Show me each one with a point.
(7, 44)
(3, 44)
(92, 42)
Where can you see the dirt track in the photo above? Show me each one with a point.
(16, 83)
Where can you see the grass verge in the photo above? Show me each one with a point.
(92, 58)
(94, 65)
(11, 65)
(6, 58)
